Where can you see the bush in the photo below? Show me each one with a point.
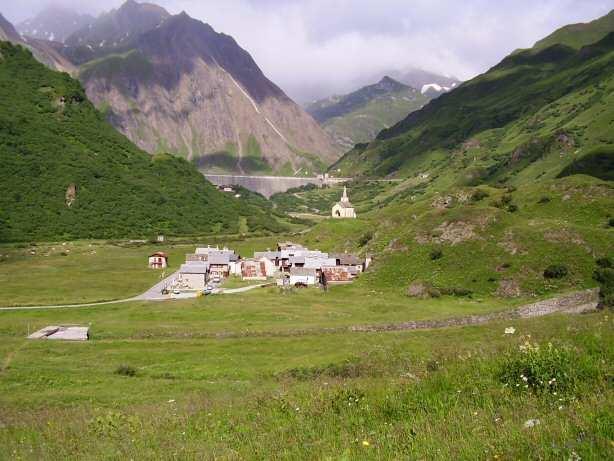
(611, 222)
(455, 291)
(605, 277)
(544, 199)
(549, 369)
(512, 208)
(125, 370)
(366, 238)
(604, 263)
(555, 271)
(436, 254)
(479, 195)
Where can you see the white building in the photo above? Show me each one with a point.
(193, 276)
(158, 260)
(302, 275)
(343, 208)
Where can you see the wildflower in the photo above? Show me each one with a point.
(524, 378)
(531, 423)
(365, 443)
(510, 330)
(560, 407)
(171, 401)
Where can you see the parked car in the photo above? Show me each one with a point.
(207, 291)
(176, 292)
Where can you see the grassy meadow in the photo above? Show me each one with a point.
(437, 394)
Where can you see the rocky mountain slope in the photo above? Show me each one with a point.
(68, 174)
(358, 117)
(54, 23)
(47, 52)
(173, 84)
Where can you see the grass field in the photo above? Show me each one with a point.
(423, 395)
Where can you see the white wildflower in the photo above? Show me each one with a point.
(529, 423)
(510, 330)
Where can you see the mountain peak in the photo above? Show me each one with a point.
(388, 84)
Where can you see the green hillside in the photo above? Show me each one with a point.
(68, 174)
(358, 116)
(579, 35)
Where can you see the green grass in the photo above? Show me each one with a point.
(428, 394)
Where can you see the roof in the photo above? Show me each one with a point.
(266, 254)
(160, 254)
(217, 258)
(346, 259)
(317, 263)
(344, 205)
(297, 260)
(202, 268)
(302, 271)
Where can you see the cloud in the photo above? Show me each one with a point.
(313, 47)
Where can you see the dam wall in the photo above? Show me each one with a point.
(269, 185)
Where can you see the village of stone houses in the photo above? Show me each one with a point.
(306, 230)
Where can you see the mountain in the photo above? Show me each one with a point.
(429, 83)
(114, 31)
(54, 23)
(49, 53)
(579, 35)
(68, 174)
(184, 88)
(527, 118)
(358, 117)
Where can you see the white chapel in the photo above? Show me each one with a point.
(343, 208)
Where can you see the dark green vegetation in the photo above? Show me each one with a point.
(358, 117)
(68, 174)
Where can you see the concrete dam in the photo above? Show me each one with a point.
(269, 185)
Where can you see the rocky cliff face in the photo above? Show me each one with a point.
(184, 88)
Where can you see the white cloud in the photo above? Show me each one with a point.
(310, 46)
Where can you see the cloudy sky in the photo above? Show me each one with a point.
(309, 47)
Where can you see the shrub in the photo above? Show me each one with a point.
(605, 277)
(611, 222)
(125, 370)
(547, 369)
(512, 208)
(555, 271)
(436, 254)
(365, 238)
(544, 199)
(604, 263)
(455, 291)
(479, 195)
